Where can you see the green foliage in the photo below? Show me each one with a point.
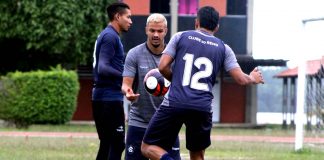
(38, 97)
(65, 28)
(303, 151)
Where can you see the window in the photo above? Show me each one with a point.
(236, 7)
(188, 7)
(160, 6)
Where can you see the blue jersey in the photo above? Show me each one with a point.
(198, 57)
(108, 66)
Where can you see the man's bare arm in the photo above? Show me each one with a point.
(127, 88)
(255, 76)
(165, 66)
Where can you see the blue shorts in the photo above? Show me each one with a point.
(167, 121)
(133, 145)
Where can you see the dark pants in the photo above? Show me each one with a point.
(133, 145)
(110, 124)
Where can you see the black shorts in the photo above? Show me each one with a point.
(133, 145)
(167, 122)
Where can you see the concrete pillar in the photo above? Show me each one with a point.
(309, 98)
(319, 102)
(174, 16)
(249, 26)
(292, 101)
(251, 105)
(284, 102)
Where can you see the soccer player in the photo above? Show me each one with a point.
(107, 97)
(198, 56)
(139, 61)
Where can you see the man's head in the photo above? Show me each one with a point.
(121, 14)
(156, 29)
(207, 18)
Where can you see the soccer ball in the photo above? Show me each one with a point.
(155, 84)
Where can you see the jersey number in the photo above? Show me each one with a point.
(94, 55)
(194, 80)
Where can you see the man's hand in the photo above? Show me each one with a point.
(127, 90)
(130, 95)
(256, 76)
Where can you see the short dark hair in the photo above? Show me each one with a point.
(115, 8)
(208, 18)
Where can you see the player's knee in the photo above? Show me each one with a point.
(144, 149)
(198, 155)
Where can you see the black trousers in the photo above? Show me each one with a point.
(110, 124)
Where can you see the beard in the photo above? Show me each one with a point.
(155, 45)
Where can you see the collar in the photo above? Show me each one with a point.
(151, 51)
(110, 26)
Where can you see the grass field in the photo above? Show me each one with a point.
(33, 148)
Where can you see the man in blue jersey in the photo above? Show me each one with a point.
(139, 60)
(198, 56)
(107, 97)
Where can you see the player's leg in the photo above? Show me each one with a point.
(133, 143)
(118, 130)
(161, 133)
(175, 150)
(99, 112)
(198, 133)
(197, 155)
(153, 152)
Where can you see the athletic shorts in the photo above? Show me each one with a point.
(133, 145)
(167, 122)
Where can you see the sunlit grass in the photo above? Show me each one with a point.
(22, 148)
(54, 128)
(67, 148)
(262, 150)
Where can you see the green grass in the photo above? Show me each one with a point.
(254, 132)
(22, 148)
(260, 151)
(32, 148)
(54, 128)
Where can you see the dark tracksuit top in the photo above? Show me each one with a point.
(108, 66)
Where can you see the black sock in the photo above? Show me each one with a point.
(166, 156)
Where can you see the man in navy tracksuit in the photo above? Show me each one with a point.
(107, 98)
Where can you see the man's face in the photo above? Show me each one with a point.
(156, 32)
(124, 20)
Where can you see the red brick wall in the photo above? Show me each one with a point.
(142, 7)
(219, 5)
(139, 7)
(84, 110)
(233, 102)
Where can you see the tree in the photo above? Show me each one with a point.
(55, 32)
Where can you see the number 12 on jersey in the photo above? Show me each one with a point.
(194, 79)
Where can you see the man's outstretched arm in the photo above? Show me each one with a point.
(255, 76)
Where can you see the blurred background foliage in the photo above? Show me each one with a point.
(38, 34)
